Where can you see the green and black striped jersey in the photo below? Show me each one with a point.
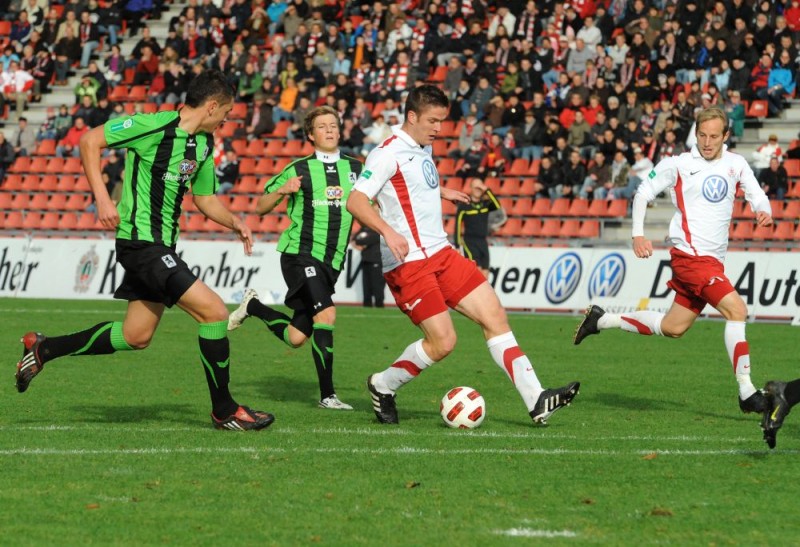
(161, 163)
(320, 224)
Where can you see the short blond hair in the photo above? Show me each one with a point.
(712, 113)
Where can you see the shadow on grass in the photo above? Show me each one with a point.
(161, 413)
(282, 388)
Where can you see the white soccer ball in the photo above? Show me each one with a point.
(463, 407)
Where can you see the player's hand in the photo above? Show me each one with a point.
(763, 219)
(642, 247)
(244, 234)
(290, 186)
(397, 244)
(107, 214)
(454, 195)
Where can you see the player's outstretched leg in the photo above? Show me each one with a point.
(589, 324)
(31, 364)
(551, 400)
(238, 316)
(776, 411)
(383, 404)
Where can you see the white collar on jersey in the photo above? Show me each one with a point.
(327, 157)
(405, 137)
(697, 155)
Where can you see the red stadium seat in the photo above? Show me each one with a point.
(438, 74)
(519, 167)
(742, 230)
(264, 167)
(590, 229)
(240, 204)
(293, 148)
(21, 165)
(58, 202)
(570, 228)
(551, 228)
(618, 208)
(32, 220)
(792, 210)
(88, 221)
(69, 221)
(281, 129)
(48, 183)
(274, 148)
(20, 201)
(532, 227)
(560, 207)
(784, 231)
(13, 221)
(39, 202)
(50, 221)
(46, 147)
(763, 233)
(72, 166)
(509, 187)
(247, 166)
(579, 208)
(138, 93)
(75, 202)
(269, 224)
(12, 183)
(522, 207)
(541, 207)
(247, 185)
(66, 183)
(792, 167)
(512, 228)
(5, 200)
(255, 148)
(757, 109)
(82, 185)
(39, 164)
(238, 112)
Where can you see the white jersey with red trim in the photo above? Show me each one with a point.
(401, 176)
(703, 192)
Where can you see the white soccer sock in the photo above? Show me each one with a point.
(509, 357)
(642, 322)
(411, 362)
(739, 354)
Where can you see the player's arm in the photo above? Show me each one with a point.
(755, 196)
(664, 175)
(456, 196)
(276, 189)
(359, 206)
(213, 208)
(491, 200)
(92, 144)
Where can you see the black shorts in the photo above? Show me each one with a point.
(153, 272)
(477, 250)
(311, 283)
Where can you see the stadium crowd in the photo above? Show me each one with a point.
(597, 92)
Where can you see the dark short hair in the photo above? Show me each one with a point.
(211, 84)
(425, 96)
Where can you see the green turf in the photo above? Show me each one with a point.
(119, 449)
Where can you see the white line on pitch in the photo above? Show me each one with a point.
(531, 533)
(401, 450)
(537, 434)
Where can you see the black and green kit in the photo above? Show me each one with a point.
(320, 223)
(163, 161)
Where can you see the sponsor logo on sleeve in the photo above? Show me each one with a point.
(119, 126)
(652, 174)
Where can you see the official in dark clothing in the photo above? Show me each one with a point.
(368, 241)
(472, 224)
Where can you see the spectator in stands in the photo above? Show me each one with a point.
(529, 137)
(295, 130)
(472, 160)
(20, 31)
(67, 51)
(288, 98)
(758, 85)
(23, 139)
(639, 170)
(6, 156)
(56, 126)
(352, 138)
(764, 153)
(42, 74)
(227, 171)
(258, 121)
(598, 175)
(478, 99)
(496, 160)
(87, 87)
(102, 112)
(69, 145)
(115, 66)
(774, 180)
(249, 82)
(146, 40)
(110, 21)
(147, 66)
(89, 35)
(134, 13)
(781, 83)
(580, 135)
(620, 169)
(112, 176)
(550, 176)
(375, 134)
(311, 77)
(574, 175)
(16, 84)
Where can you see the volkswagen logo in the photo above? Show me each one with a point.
(715, 188)
(607, 276)
(431, 176)
(563, 278)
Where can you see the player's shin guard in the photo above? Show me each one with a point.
(101, 339)
(739, 354)
(641, 322)
(322, 351)
(411, 362)
(509, 357)
(215, 355)
(277, 322)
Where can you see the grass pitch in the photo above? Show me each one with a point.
(119, 449)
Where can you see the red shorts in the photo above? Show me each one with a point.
(697, 280)
(424, 288)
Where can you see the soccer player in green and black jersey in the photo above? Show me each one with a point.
(167, 154)
(312, 249)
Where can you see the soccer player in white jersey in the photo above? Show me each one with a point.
(703, 184)
(423, 271)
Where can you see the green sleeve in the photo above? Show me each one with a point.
(280, 179)
(132, 131)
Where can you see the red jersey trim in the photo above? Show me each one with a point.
(682, 208)
(388, 141)
(401, 189)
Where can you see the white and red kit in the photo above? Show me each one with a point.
(401, 175)
(703, 192)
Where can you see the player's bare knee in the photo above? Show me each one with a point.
(326, 316)
(138, 341)
(443, 346)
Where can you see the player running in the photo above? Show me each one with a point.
(703, 184)
(312, 249)
(167, 153)
(425, 274)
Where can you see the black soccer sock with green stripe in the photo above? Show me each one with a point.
(215, 354)
(101, 339)
(322, 351)
(277, 322)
